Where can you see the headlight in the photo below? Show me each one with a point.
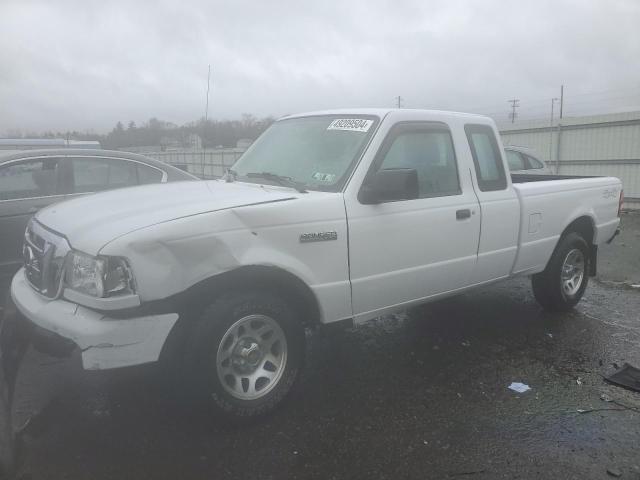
(98, 276)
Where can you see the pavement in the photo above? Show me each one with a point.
(620, 261)
(416, 395)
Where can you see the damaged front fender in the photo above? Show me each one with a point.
(105, 342)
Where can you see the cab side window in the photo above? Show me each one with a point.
(486, 157)
(29, 179)
(428, 150)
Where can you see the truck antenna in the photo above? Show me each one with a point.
(206, 110)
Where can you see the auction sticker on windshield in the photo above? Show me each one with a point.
(351, 124)
(323, 177)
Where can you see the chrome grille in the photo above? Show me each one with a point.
(44, 253)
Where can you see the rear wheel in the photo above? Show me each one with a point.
(561, 285)
(248, 349)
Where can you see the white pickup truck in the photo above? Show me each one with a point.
(330, 216)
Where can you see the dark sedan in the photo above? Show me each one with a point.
(33, 179)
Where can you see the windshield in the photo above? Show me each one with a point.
(317, 152)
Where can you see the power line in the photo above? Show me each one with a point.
(607, 92)
(585, 106)
(604, 101)
(542, 104)
(586, 103)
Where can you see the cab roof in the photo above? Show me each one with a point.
(383, 112)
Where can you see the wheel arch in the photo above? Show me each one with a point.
(250, 277)
(260, 277)
(547, 284)
(585, 226)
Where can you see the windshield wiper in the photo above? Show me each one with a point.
(279, 179)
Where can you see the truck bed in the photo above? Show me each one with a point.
(525, 177)
(548, 203)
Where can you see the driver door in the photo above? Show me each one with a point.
(405, 251)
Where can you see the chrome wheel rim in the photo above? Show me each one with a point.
(572, 272)
(251, 357)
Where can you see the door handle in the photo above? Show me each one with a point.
(462, 214)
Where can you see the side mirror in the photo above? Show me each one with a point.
(390, 185)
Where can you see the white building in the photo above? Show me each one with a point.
(593, 145)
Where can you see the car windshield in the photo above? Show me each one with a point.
(316, 152)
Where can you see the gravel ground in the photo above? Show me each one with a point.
(419, 395)
(620, 261)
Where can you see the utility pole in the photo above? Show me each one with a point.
(514, 104)
(553, 102)
(206, 110)
(561, 99)
(399, 99)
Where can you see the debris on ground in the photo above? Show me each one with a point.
(591, 410)
(614, 472)
(579, 381)
(519, 387)
(606, 398)
(627, 377)
(466, 343)
(550, 335)
(468, 472)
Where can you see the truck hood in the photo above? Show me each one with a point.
(91, 221)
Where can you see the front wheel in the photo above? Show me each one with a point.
(248, 350)
(561, 285)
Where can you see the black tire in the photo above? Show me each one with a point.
(7, 436)
(548, 284)
(213, 327)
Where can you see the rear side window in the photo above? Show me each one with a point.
(534, 162)
(29, 179)
(148, 175)
(515, 160)
(429, 150)
(97, 174)
(486, 157)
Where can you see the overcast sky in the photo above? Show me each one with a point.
(85, 64)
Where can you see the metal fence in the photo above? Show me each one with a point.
(606, 145)
(205, 164)
(597, 145)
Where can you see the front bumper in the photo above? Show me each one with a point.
(105, 342)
